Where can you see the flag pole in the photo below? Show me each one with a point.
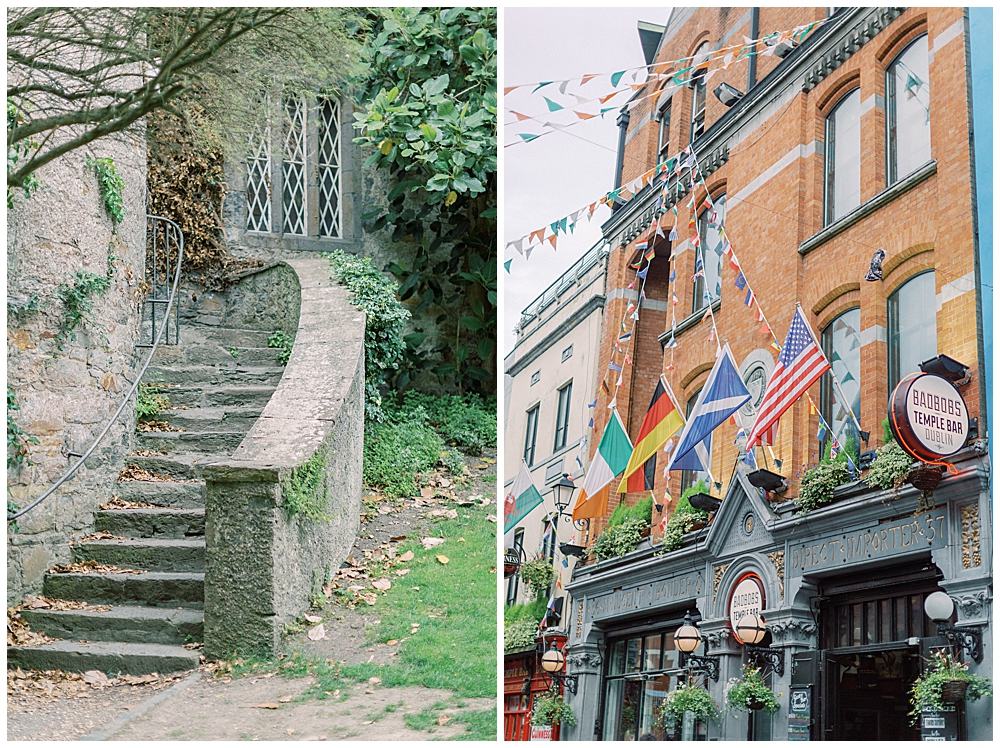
(836, 383)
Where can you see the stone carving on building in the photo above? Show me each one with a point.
(778, 559)
(720, 571)
(972, 605)
(579, 619)
(719, 639)
(579, 660)
(970, 536)
(793, 630)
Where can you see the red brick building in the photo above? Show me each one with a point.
(834, 136)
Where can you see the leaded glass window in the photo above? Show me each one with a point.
(259, 181)
(328, 164)
(841, 341)
(293, 166)
(909, 115)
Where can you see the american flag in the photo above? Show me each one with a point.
(800, 364)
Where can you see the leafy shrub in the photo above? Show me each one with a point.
(304, 490)
(942, 668)
(552, 709)
(617, 540)
(77, 301)
(17, 439)
(396, 451)
(533, 611)
(519, 634)
(688, 698)
(385, 318)
(890, 468)
(111, 186)
(750, 689)
(538, 574)
(818, 483)
(149, 400)
(453, 461)
(683, 518)
(468, 421)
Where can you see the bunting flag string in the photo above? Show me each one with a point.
(747, 48)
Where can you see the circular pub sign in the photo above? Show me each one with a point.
(746, 598)
(928, 417)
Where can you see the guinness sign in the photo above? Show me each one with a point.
(928, 417)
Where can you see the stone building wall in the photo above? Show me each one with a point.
(67, 395)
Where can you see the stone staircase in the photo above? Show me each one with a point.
(218, 381)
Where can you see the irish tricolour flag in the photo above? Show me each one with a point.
(522, 497)
(611, 458)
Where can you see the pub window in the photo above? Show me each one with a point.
(912, 326)
(663, 139)
(888, 620)
(707, 283)
(843, 158)
(530, 435)
(698, 88)
(548, 549)
(562, 416)
(908, 114)
(304, 141)
(691, 477)
(512, 582)
(640, 672)
(841, 341)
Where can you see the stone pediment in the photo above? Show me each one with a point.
(743, 521)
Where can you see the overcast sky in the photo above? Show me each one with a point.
(559, 173)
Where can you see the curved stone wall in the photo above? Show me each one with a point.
(262, 560)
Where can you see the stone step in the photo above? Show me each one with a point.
(216, 418)
(108, 657)
(180, 466)
(221, 444)
(235, 374)
(151, 523)
(123, 623)
(162, 493)
(164, 589)
(215, 355)
(152, 554)
(199, 396)
(194, 335)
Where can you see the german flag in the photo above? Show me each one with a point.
(662, 420)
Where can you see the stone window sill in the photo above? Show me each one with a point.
(886, 196)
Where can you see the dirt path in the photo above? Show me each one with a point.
(201, 706)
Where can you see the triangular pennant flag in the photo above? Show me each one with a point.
(520, 117)
(553, 106)
(562, 87)
(538, 234)
(506, 265)
(587, 78)
(615, 78)
(542, 85)
(552, 241)
(604, 99)
(508, 89)
(527, 137)
(584, 115)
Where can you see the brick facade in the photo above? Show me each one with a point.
(774, 182)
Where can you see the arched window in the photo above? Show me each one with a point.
(691, 477)
(908, 115)
(912, 326)
(843, 158)
(841, 341)
(707, 283)
(698, 88)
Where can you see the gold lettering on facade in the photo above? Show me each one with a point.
(778, 559)
(719, 573)
(579, 619)
(970, 536)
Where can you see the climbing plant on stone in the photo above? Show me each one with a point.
(111, 185)
(430, 104)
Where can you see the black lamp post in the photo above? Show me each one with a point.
(562, 493)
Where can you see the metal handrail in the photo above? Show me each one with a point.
(135, 385)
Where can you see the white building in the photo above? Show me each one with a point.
(550, 378)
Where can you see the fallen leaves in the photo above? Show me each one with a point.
(316, 633)
(92, 567)
(429, 543)
(443, 720)
(267, 705)
(449, 513)
(382, 584)
(100, 535)
(402, 572)
(19, 634)
(312, 618)
(284, 699)
(155, 426)
(52, 684)
(134, 472)
(117, 502)
(442, 558)
(37, 602)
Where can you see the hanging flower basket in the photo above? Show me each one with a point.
(755, 704)
(953, 692)
(925, 477)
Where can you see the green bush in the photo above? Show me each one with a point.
(396, 451)
(552, 709)
(818, 483)
(469, 422)
(519, 634)
(533, 611)
(617, 540)
(538, 574)
(890, 468)
(385, 318)
(683, 518)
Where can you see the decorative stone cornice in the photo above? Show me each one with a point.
(972, 606)
(792, 630)
(584, 660)
(851, 42)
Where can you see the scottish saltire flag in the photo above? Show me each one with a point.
(723, 394)
(522, 497)
(800, 363)
(642, 273)
(614, 367)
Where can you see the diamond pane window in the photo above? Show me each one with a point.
(259, 181)
(328, 171)
(293, 166)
